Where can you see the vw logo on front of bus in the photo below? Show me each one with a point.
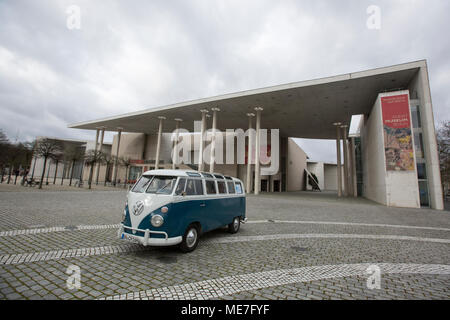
(138, 207)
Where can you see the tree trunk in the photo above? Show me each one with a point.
(56, 172)
(90, 175)
(64, 173)
(126, 176)
(71, 173)
(11, 168)
(43, 173)
(48, 172)
(81, 174)
(106, 174)
(1, 181)
(34, 166)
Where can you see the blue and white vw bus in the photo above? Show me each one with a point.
(174, 207)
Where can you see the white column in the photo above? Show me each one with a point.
(202, 141)
(258, 151)
(350, 167)
(116, 160)
(338, 158)
(100, 149)
(354, 180)
(429, 140)
(345, 147)
(158, 145)
(175, 147)
(96, 139)
(249, 152)
(213, 140)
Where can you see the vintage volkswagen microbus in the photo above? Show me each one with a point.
(170, 207)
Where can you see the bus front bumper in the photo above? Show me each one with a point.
(146, 240)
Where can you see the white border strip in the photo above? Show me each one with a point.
(327, 236)
(349, 224)
(109, 226)
(127, 248)
(56, 229)
(214, 288)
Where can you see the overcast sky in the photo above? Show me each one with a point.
(131, 55)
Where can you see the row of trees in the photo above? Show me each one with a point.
(53, 150)
(93, 158)
(443, 140)
(14, 156)
(17, 157)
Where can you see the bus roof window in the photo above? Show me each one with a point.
(193, 174)
(207, 175)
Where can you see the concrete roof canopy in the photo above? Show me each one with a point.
(305, 109)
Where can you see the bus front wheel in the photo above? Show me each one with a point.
(190, 239)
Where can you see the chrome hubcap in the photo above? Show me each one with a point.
(191, 237)
(236, 223)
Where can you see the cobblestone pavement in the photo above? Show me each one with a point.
(295, 246)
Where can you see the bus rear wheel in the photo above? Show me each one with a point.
(234, 226)
(190, 239)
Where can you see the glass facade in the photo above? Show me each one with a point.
(420, 155)
(358, 165)
(134, 173)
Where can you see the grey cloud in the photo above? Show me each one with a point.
(130, 56)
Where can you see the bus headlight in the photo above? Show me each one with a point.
(157, 220)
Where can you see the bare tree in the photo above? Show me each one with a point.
(443, 140)
(73, 154)
(109, 161)
(57, 159)
(93, 157)
(31, 146)
(47, 149)
(4, 152)
(125, 162)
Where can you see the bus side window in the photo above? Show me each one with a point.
(231, 187)
(198, 187)
(180, 187)
(194, 187)
(221, 186)
(238, 188)
(190, 187)
(210, 187)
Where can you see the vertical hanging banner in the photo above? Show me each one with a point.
(397, 133)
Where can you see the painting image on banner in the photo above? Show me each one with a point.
(397, 133)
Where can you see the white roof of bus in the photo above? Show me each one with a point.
(178, 173)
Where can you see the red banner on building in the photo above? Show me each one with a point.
(397, 133)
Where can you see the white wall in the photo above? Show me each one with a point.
(318, 169)
(330, 177)
(296, 166)
(392, 188)
(373, 159)
(420, 89)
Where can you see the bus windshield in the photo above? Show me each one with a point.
(142, 184)
(161, 185)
